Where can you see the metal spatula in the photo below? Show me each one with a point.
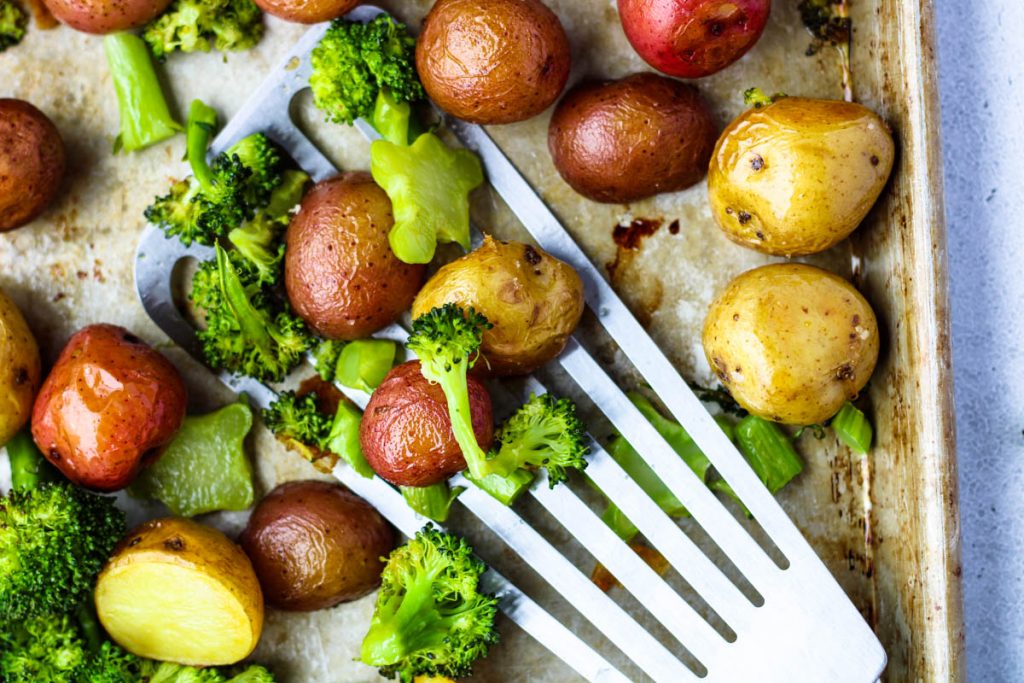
(786, 620)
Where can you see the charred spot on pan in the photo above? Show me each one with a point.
(531, 255)
(673, 227)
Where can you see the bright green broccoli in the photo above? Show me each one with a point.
(447, 342)
(248, 331)
(357, 64)
(431, 617)
(298, 422)
(544, 432)
(145, 118)
(259, 240)
(12, 24)
(191, 25)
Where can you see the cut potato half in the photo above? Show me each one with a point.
(178, 591)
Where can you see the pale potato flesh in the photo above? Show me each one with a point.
(19, 369)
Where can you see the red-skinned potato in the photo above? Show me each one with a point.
(108, 407)
(693, 38)
(406, 434)
(307, 11)
(106, 16)
(31, 163)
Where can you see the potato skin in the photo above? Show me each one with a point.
(20, 370)
(493, 61)
(339, 270)
(315, 544)
(108, 407)
(791, 342)
(105, 16)
(533, 300)
(798, 176)
(621, 141)
(32, 163)
(307, 11)
(406, 434)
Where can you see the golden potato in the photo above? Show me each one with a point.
(798, 176)
(31, 163)
(791, 342)
(19, 369)
(533, 300)
(178, 591)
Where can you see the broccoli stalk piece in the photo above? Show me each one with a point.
(447, 341)
(544, 432)
(259, 240)
(198, 25)
(145, 118)
(12, 24)
(430, 617)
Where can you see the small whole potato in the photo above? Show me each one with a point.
(533, 300)
(31, 163)
(315, 544)
(493, 61)
(108, 407)
(307, 11)
(798, 176)
(19, 369)
(106, 16)
(791, 342)
(406, 433)
(340, 273)
(621, 141)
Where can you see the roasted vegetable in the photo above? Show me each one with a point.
(19, 369)
(199, 25)
(362, 364)
(298, 422)
(12, 24)
(31, 160)
(106, 16)
(145, 118)
(433, 502)
(259, 240)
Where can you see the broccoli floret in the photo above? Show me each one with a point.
(544, 432)
(12, 24)
(145, 118)
(326, 356)
(45, 648)
(191, 25)
(249, 674)
(259, 240)
(247, 332)
(298, 422)
(447, 342)
(430, 617)
(354, 63)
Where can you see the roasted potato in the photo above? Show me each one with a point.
(106, 16)
(19, 369)
(406, 433)
(339, 270)
(533, 300)
(315, 544)
(307, 11)
(791, 342)
(178, 591)
(108, 407)
(31, 163)
(797, 176)
(493, 61)
(621, 141)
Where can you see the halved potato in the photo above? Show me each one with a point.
(178, 591)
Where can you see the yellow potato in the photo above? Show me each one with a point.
(19, 369)
(798, 176)
(533, 300)
(178, 591)
(791, 342)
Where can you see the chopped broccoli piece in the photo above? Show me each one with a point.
(298, 422)
(429, 185)
(433, 502)
(325, 358)
(769, 450)
(853, 428)
(354, 63)
(191, 25)
(145, 118)
(12, 24)
(364, 363)
(544, 432)
(41, 648)
(247, 332)
(447, 341)
(430, 617)
(259, 240)
(506, 490)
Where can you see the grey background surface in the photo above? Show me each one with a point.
(981, 62)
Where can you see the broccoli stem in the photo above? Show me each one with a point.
(202, 121)
(415, 625)
(28, 467)
(248, 317)
(145, 118)
(454, 384)
(433, 502)
(506, 490)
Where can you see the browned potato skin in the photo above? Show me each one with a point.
(20, 370)
(533, 300)
(622, 141)
(106, 16)
(791, 342)
(339, 270)
(493, 61)
(798, 176)
(406, 434)
(307, 11)
(108, 407)
(315, 544)
(31, 163)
